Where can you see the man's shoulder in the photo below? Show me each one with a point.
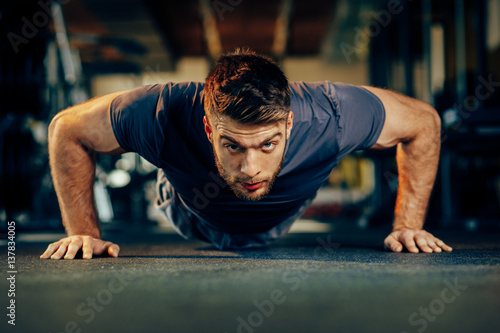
(183, 87)
(167, 89)
(308, 85)
(176, 99)
(166, 97)
(316, 91)
(312, 100)
(299, 87)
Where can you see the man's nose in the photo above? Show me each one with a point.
(250, 165)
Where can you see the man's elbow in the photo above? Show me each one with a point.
(52, 128)
(431, 122)
(435, 118)
(60, 127)
(55, 126)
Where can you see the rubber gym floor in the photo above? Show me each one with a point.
(336, 281)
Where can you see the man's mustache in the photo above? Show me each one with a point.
(248, 180)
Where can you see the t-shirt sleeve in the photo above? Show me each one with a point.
(135, 122)
(361, 118)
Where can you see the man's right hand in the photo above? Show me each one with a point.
(74, 136)
(69, 246)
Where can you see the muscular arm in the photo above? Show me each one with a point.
(415, 127)
(75, 134)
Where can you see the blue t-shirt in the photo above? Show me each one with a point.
(164, 124)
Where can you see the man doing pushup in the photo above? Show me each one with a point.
(242, 155)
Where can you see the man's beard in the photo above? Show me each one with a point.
(233, 181)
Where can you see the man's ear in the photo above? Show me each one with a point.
(289, 124)
(208, 129)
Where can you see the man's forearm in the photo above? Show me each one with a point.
(73, 171)
(418, 161)
(74, 135)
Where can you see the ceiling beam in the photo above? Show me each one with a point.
(130, 24)
(210, 29)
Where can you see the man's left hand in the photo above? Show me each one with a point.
(413, 240)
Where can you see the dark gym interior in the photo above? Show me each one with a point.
(331, 272)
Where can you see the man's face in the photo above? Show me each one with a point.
(248, 157)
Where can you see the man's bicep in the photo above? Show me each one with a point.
(89, 124)
(101, 134)
(405, 117)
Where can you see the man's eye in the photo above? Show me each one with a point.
(268, 146)
(232, 147)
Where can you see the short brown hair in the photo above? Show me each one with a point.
(247, 87)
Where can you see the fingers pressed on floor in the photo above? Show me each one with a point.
(60, 252)
(72, 250)
(114, 250)
(50, 250)
(423, 244)
(410, 244)
(87, 249)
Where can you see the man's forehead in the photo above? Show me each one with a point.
(227, 126)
